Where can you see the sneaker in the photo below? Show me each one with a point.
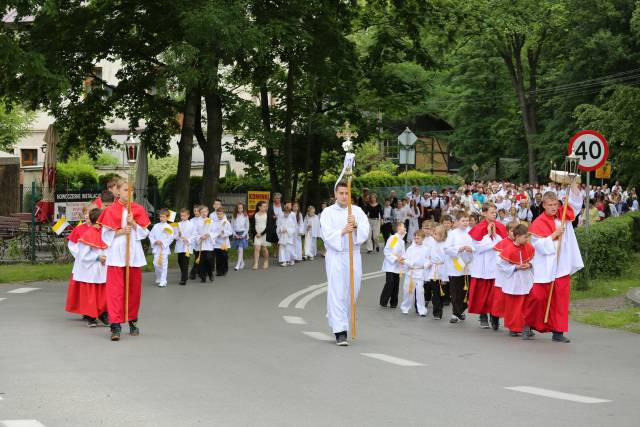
(495, 323)
(157, 282)
(514, 334)
(560, 338)
(104, 318)
(134, 331)
(284, 264)
(163, 285)
(92, 322)
(454, 319)
(437, 317)
(484, 324)
(182, 283)
(292, 263)
(423, 315)
(405, 312)
(115, 335)
(462, 317)
(341, 339)
(527, 334)
(311, 258)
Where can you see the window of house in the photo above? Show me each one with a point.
(29, 157)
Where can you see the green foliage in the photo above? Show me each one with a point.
(105, 159)
(12, 273)
(609, 245)
(28, 202)
(369, 158)
(14, 123)
(75, 174)
(163, 167)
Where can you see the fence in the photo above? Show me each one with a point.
(23, 239)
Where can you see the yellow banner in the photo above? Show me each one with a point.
(253, 197)
(604, 172)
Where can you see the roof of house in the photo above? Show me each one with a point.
(422, 125)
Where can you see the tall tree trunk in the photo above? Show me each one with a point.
(265, 114)
(212, 147)
(185, 148)
(288, 132)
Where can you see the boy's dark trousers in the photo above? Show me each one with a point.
(196, 268)
(222, 261)
(456, 285)
(206, 265)
(446, 299)
(436, 298)
(183, 263)
(390, 291)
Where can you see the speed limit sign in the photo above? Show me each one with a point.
(591, 148)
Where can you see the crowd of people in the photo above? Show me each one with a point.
(463, 246)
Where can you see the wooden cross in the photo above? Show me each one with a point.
(346, 132)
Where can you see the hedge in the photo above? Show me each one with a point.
(374, 179)
(609, 245)
(75, 175)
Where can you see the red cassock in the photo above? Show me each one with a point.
(535, 304)
(73, 292)
(481, 290)
(98, 203)
(513, 304)
(111, 218)
(88, 299)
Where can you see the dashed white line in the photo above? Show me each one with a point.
(22, 290)
(391, 359)
(2, 299)
(294, 320)
(321, 336)
(557, 394)
(21, 423)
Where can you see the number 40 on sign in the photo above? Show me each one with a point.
(591, 148)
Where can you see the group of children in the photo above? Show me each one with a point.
(487, 269)
(290, 227)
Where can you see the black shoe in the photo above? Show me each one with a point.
(92, 322)
(484, 321)
(527, 333)
(182, 283)
(378, 250)
(462, 317)
(514, 334)
(341, 339)
(115, 332)
(394, 306)
(558, 337)
(383, 305)
(495, 323)
(133, 328)
(192, 277)
(203, 280)
(104, 318)
(369, 252)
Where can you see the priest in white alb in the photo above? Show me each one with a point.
(335, 226)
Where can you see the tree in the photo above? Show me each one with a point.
(14, 124)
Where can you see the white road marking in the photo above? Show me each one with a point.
(2, 299)
(22, 290)
(303, 302)
(288, 300)
(294, 320)
(321, 336)
(285, 303)
(557, 394)
(21, 423)
(392, 359)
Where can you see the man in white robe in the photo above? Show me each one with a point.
(335, 226)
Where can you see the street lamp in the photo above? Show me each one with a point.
(131, 146)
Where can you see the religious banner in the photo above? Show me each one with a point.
(254, 197)
(69, 204)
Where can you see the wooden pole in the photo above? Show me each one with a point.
(564, 215)
(127, 258)
(351, 271)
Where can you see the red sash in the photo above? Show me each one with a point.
(480, 230)
(544, 225)
(77, 232)
(515, 254)
(111, 217)
(93, 237)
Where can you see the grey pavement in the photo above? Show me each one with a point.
(221, 354)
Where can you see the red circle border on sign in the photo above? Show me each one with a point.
(597, 135)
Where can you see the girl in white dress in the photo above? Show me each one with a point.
(240, 225)
(260, 242)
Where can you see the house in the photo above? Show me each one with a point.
(432, 148)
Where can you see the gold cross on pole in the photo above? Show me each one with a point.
(346, 132)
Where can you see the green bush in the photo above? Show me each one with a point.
(75, 175)
(608, 246)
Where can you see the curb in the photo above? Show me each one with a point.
(634, 296)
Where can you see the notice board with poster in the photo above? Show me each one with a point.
(254, 197)
(70, 203)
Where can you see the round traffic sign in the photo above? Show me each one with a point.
(591, 148)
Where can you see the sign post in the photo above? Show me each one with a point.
(592, 150)
(407, 155)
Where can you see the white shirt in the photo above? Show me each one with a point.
(484, 257)
(87, 267)
(456, 239)
(434, 266)
(241, 226)
(117, 245)
(512, 280)
(393, 249)
(416, 258)
(311, 226)
(185, 229)
(546, 266)
(164, 233)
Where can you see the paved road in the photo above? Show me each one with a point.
(223, 354)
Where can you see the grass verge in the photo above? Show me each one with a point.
(26, 272)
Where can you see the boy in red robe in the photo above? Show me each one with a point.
(73, 292)
(550, 236)
(514, 267)
(484, 237)
(116, 223)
